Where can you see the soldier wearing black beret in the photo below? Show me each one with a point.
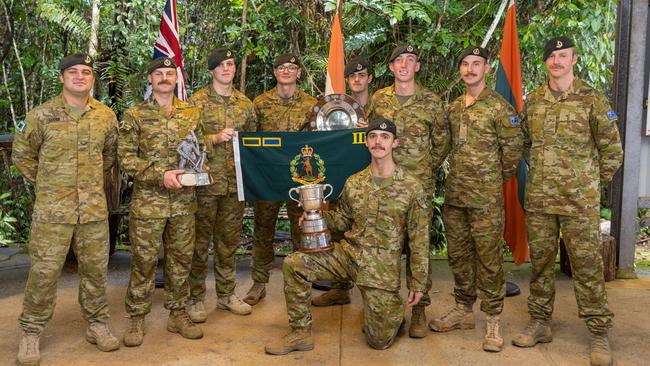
(287, 58)
(219, 55)
(402, 49)
(75, 59)
(161, 63)
(382, 124)
(556, 44)
(474, 50)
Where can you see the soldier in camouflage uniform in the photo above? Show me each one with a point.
(162, 211)
(419, 116)
(64, 147)
(486, 145)
(573, 148)
(285, 108)
(358, 74)
(378, 208)
(224, 110)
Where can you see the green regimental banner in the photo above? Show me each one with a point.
(268, 164)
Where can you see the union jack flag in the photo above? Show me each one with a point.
(168, 44)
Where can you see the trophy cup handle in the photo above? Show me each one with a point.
(331, 190)
(294, 189)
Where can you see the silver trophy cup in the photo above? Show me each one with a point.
(315, 234)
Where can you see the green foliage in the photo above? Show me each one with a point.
(7, 222)
(69, 20)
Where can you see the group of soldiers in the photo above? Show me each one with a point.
(567, 134)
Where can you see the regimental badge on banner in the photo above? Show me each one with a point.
(307, 167)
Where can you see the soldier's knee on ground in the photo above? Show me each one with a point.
(292, 262)
(379, 341)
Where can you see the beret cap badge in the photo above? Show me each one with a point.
(167, 62)
(228, 53)
(409, 48)
(88, 59)
(559, 44)
(476, 51)
(293, 59)
(383, 126)
(359, 67)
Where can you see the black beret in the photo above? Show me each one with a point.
(216, 57)
(75, 59)
(557, 43)
(357, 64)
(381, 123)
(287, 58)
(404, 48)
(160, 63)
(474, 50)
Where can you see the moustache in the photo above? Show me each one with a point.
(377, 147)
(164, 83)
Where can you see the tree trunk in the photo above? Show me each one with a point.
(92, 43)
(242, 73)
(17, 53)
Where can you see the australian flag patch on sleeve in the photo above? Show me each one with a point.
(514, 121)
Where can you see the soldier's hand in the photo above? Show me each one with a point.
(361, 125)
(302, 218)
(414, 298)
(224, 136)
(170, 179)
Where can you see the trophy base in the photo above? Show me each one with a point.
(195, 179)
(315, 242)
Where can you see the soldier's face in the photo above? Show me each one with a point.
(287, 73)
(77, 79)
(163, 80)
(359, 81)
(560, 63)
(404, 67)
(381, 143)
(473, 69)
(225, 72)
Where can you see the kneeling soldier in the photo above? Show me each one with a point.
(378, 208)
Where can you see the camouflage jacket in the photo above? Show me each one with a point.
(421, 130)
(275, 114)
(376, 220)
(236, 112)
(65, 157)
(572, 145)
(486, 145)
(148, 142)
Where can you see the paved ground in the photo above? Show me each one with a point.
(236, 340)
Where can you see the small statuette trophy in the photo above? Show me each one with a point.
(315, 234)
(192, 160)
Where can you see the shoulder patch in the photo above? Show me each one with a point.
(514, 121)
(612, 115)
(20, 126)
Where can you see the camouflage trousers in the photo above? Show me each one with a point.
(176, 234)
(266, 215)
(48, 247)
(218, 219)
(581, 236)
(426, 298)
(475, 252)
(383, 310)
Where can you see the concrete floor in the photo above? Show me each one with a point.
(239, 340)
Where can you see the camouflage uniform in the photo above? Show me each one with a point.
(423, 138)
(573, 146)
(147, 149)
(486, 145)
(66, 156)
(219, 216)
(279, 115)
(376, 219)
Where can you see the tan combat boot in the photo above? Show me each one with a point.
(493, 341)
(197, 312)
(537, 331)
(255, 294)
(234, 304)
(179, 322)
(600, 352)
(418, 326)
(98, 333)
(297, 340)
(459, 317)
(335, 296)
(28, 353)
(135, 334)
